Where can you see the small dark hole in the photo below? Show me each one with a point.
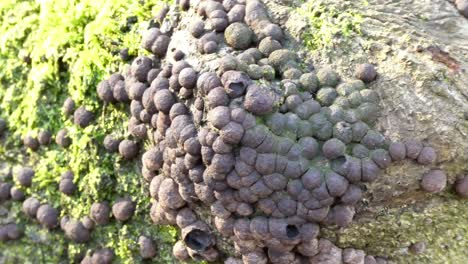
(197, 240)
(292, 231)
(237, 87)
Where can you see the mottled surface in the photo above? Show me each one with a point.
(424, 95)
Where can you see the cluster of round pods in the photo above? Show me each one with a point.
(263, 149)
(271, 149)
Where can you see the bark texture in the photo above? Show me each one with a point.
(420, 49)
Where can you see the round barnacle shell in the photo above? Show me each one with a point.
(360, 130)
(293, 101)
(259, 228)
(255, 72)
(147, 247)
(309, 82)
(197, 237)
(136, 90)
(102, 256)
(347, 88)
(140, 68)
(152, 74)
(119, 92)
(100, 212)
(115, 78)
(169, 196)
(366, 72)
(76, 231)
(287, 206)
(135, 108)
(333, 148)
(159, 46)
(259, 100)
(282, 58)
(336, 184)
(217, 97)
(373, 139)
(218, 24)
(235, 83)
(44, 137)
(87, 222)
(238, 35)
(128, 149)
(292, 73)
(307, 109)
(111, 144)
(461, 187)
(312, 178)
(153, 159)
(185, 217)
(368, 112)
(434, 181)
(268, 45)
(413, 148)
(188, 78)
(82, 117)
(427, 156)
(343, 131)
(369, 170)
(163, 100)
(5, 189)
(16, 194)
(30, 206)
(274, 181)
(24, 176)
(210, 47)
(179, 251)
(197, 28)
(227, 63)
(149, 37)
(326, 96)
(67, 186)
(280, 229)
(310, 147)
(352, 195)
(68, 106)
(397, 151)
(276, 122)
(47, 216)
(31, 142)
(328, 78)
(232, 133)
(381, 157)
(218, 116)
(123, 209)
(67, 175)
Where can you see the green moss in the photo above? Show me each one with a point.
(327, 22)
(50, 50)
(442, 223)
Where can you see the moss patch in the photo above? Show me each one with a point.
(442, 223)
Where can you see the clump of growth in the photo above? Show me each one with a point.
(273, 151)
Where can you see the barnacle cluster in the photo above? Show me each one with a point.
(249, 143)
(270, 148)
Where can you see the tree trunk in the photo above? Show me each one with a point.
(420, 49)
